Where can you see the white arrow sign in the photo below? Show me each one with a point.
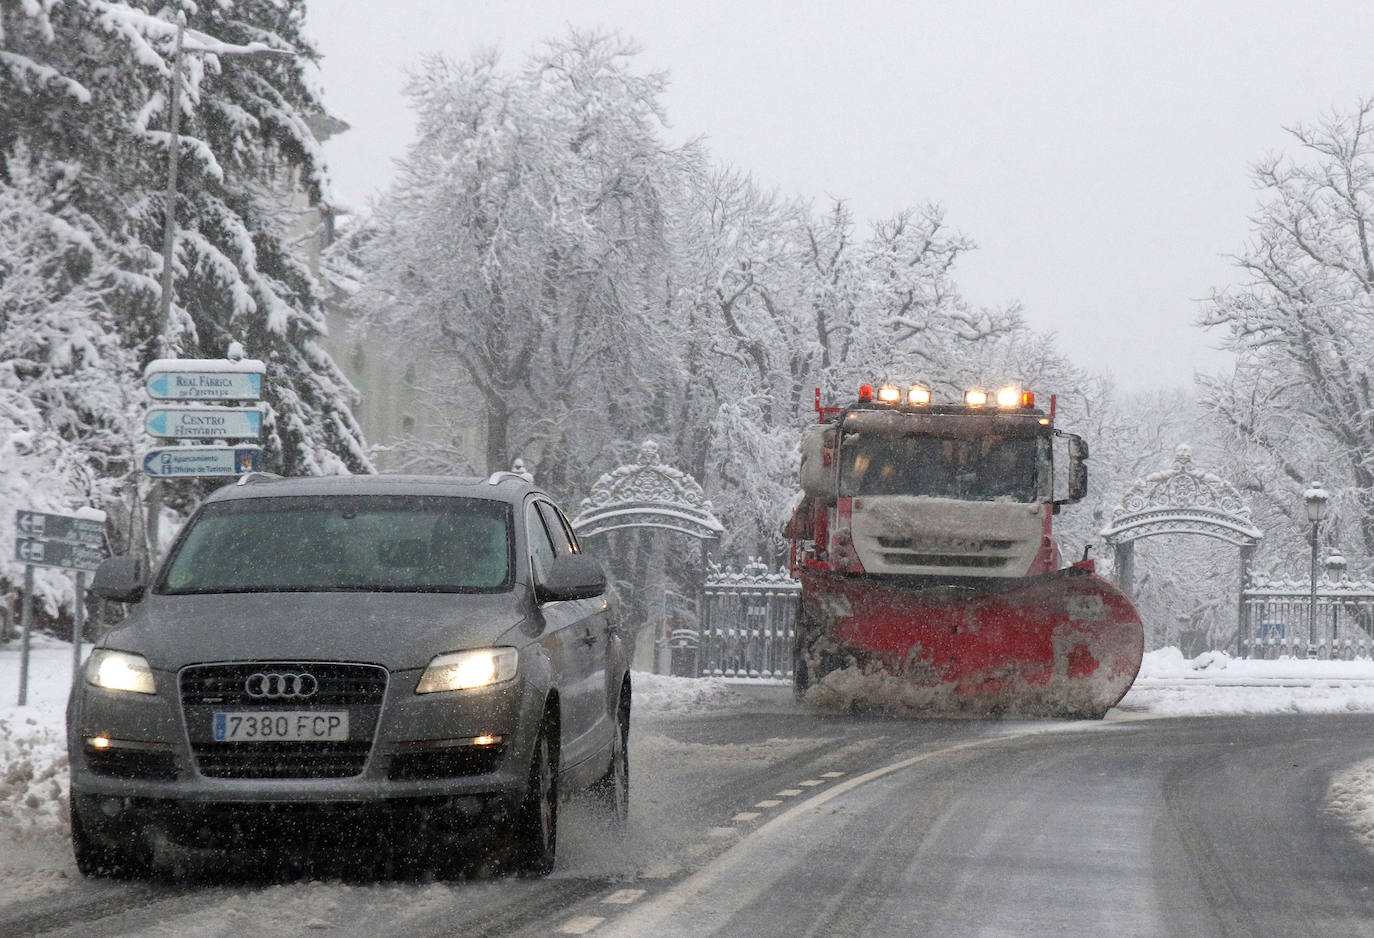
(204, 423)
(203, 385)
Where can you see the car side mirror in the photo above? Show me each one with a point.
(120, 579)
(571, 576)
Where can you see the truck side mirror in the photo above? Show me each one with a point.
(1078, 470)
(817, 477)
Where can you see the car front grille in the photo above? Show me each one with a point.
(281, 760)
(357, 688)
(340, 685)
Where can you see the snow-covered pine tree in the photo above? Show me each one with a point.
(83, 86)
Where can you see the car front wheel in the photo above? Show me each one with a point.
(612, 790)
(537, 824)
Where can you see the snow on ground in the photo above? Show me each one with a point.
(1216, 683)
(35, 858)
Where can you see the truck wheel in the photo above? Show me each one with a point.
(537, 822)
(612, 790)
(98, 858)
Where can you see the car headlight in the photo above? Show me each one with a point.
(464, 670)
(118, 670)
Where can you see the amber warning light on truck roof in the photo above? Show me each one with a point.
(1008, 398)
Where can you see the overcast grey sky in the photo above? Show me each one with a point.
(1097, 152)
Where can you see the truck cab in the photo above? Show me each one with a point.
(895, 485)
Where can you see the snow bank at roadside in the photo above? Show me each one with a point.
(1215, 683)
(1351, 798)
(33, 748)
(659, 693)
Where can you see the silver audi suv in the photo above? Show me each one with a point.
(321, 661)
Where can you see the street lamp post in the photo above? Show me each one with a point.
(1335, 573)
(1315, 501)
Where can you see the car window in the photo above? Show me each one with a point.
(559, 531)
(359, 542)
(542, 550)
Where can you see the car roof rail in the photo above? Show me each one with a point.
(253, 478)
(505, 475)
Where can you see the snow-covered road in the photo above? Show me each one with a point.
(726, 777)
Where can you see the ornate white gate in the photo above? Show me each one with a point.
(650, 494)
(1182, 500)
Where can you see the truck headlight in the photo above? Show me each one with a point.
(118, 670)
(464, 670)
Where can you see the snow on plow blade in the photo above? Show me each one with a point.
(1065, 644)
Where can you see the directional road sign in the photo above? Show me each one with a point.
(204, 423)
(57, 554)
(63, 529)
(204, 462)
(203, 385)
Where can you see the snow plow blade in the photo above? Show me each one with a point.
(1065, 644)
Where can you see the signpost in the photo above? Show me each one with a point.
(202, 461)
(204, 423)
(203, 385)
(72, 542)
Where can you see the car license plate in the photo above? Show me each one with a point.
(281, 725)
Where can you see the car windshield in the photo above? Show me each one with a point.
(408, 543)
(978, 469)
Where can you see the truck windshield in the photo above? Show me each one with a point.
(972, 469)
(365, 543)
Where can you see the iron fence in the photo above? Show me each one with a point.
(749, 624)
(1275, 621)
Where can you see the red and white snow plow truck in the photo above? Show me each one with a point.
(930, 576)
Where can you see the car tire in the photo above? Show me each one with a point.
(612, 790)
(97, 858)
(537, 822)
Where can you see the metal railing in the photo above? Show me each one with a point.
(1276, 620)
(750, 624)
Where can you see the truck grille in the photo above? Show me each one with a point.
(968, 553)
(357, 688)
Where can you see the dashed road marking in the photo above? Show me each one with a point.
(811, 783)
(579, 925)
(789, 793)
(623, 897)
(720, 833)
(770, 803)
(832, 774)
(746, 816)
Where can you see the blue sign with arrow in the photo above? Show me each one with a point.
(204, 423)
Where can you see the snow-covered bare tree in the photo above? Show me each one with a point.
(1300, 403)
(527, 237)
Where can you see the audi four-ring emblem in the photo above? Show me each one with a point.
(275, 685)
